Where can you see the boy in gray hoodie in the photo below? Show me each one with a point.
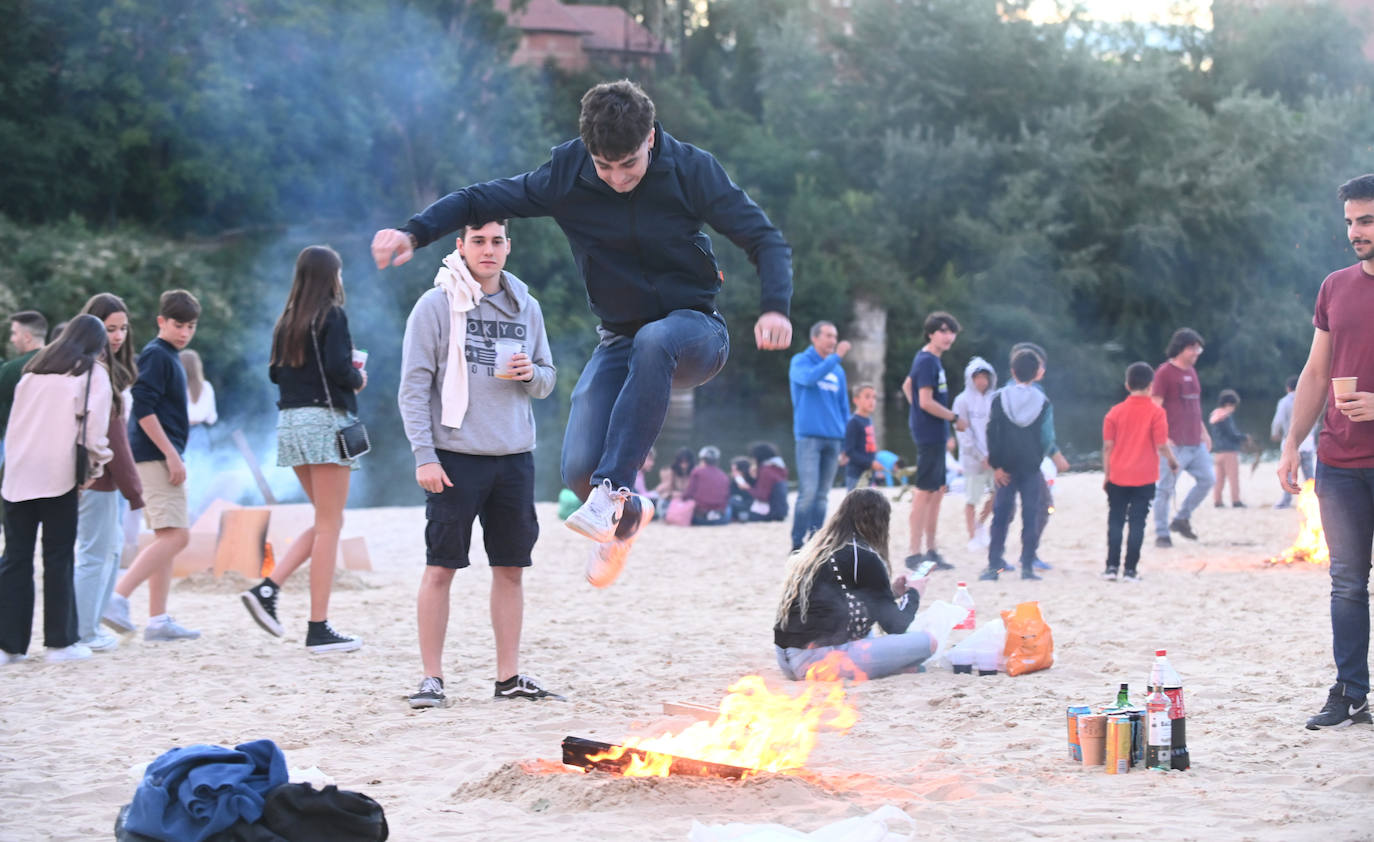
(975, 404)
(465, 403)
(1015, 450)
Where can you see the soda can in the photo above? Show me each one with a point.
(1075, 744)
(1139, 737)
(1118, 743)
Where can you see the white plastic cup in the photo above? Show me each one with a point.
(505, 349)
(359, 358)
(1343, 385)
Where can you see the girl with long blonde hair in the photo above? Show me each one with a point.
(839, 584)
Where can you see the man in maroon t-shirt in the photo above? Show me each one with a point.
(1343, 347)
(1176, 388)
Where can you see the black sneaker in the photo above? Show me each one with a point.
(430, 694)
(1164, 542)
(912, 561)
(990, 574)
(321, 637)
(1028, 573)
(261, 602)
(1237, 505)
(1341, 711)
(940, 563)
(1183, 528)
(524, 687)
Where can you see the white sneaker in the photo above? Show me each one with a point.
(982, 536)
(11, 658)
(608, 557)
(600, 515)
(169, 629)
(116, 615)
(101, 641)
(974, 545)
(75, 652)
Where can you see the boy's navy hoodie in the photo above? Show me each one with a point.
(159, 390)
(642, 254)
(1014, 428)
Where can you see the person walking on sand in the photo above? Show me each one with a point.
(1343, 347)
(632, 201)
(317, 386)
(1176, 388)
(469, 417)
(1278, 431)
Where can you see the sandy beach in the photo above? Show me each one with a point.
(966, 757)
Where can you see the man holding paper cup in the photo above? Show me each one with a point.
(1340, 374)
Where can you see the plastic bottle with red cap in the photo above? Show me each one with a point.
(1163, 674)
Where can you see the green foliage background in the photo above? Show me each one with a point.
(1085, 186)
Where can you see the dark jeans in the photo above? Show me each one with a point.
(58, 517)
(621, 397)
(1127, 504)
(1346, 496)
(1030, 486)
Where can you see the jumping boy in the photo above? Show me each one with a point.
(157, 437)
(1015, 450)
(860, 444)
(632, 201)
(1135, 442)
(471, 426)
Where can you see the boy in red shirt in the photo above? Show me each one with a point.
(1135, 441)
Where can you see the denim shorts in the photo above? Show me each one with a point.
(496, 490)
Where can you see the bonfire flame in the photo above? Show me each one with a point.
(1311, 543)
(757, 729)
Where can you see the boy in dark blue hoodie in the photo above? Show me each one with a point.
(1015, 451)
(632, 201)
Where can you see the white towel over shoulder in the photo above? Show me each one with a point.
(463, 293)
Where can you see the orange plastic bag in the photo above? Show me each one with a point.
(1030, 646)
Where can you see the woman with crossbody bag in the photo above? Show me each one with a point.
(318, 436)
(51, 452)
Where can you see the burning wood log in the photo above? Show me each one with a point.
(590, 754)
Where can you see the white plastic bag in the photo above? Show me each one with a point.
(984, 648)
(938, 620)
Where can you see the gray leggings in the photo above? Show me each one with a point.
(870, 657)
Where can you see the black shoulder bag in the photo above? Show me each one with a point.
(83, 459)
(352, 440)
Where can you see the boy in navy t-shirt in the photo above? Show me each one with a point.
(860, 444)
(927, 390)
(157, 436)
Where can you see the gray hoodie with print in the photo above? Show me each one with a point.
(500, 417)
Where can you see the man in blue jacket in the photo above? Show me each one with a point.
(820, 411)
(631, 200)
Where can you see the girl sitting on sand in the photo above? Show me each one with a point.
(837, 588)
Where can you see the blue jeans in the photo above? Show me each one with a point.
(1346, 496)
(99, 543)
(871, 657)
(817, 459)
(1194, 459)
(1305, 460)
(621, 397)
(1029, 485)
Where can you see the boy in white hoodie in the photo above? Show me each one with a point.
(975, 404)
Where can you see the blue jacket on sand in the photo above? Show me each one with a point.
(641, 254)
(820, 395)
(189, 794)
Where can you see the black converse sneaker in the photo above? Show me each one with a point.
(524, 687)
(1341, 711)
(430, 694)
(321, 637)
(261, 602)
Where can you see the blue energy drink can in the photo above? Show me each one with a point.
(1075, 743)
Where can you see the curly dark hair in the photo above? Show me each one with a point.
(1183, 338)
(616, 118)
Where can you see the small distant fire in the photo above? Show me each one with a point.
(1310, 545)
(757, 730)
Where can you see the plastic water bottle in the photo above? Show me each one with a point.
(960, 660)
(1163, 675)
(1159, 731)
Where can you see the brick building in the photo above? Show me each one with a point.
(575, 36)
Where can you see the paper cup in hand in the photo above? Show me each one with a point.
(505, 349)
(359, 358)
(1343, 385)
